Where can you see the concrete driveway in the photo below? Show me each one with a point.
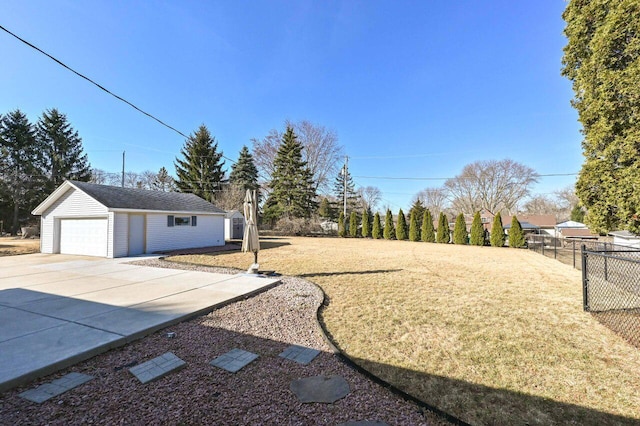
(56, 310)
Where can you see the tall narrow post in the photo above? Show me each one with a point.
(123, 168)
(585, 279)
(344, 178)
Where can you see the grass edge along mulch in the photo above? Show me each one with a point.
(492, 336)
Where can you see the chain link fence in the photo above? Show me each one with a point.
(611, 288)
(567, 250)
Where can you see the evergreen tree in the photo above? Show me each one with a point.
(443, 234)
(244, 173)
(342, 228)
(163, 181)
(324, 211)
(200, 171)
(62, 149)
(366, 231)
(516, 236)
(427, 232)
(23, 184)
(497, 232)
(477, 231)
(376, 232)
(414, 228)
(577, 214)
(418, 208)
(401, 228)
(353, 225)
(338, 189)
(460, 230)
(389, 230)
(292, 186)
(602, 60)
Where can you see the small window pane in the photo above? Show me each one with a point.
(182, 220)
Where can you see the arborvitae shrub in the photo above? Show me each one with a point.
(428, 235)
(414, 230)
(342, 229)
(389, 229)
(516, 236)
(366, 231)
(460, 230)
(497, 232)
(376, 232)
(443, 229)
(401, 228)
(477, 231)
(353, 224)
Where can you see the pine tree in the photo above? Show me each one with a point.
(497, 232)
(353, 224)
(244, 173)
(342, 229)
(389, 229)
(401, 228)
(418, 209)
(414, 228)
(325, 210)
(62, 149)
(23, 184)
(460, 230)
(477, 231)
(443, 235)
(163, 182)
(200, 171)
(427, 232)
(366, 231)
(376, 232)
(338, 189)
(292, 186)
(577, 214)
(516, 236)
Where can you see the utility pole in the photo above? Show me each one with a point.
(344, 178)
(123, 169)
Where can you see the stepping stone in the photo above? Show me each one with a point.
(233, 360)
(55, 388)
(325, 389)
(364, 423)
(158, 367)
(300, 354)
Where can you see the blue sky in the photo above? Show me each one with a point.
(413, 89)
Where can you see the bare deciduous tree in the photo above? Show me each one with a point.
(231, 197)
(370, 197)
(492, 185)
(321, 152)
(434, 199)
(99, 176)
(541, 204)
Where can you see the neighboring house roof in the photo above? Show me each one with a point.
(571, 224)
(624, 234)
(117, 198)
(232, 213)
(540, 220)
(577, 233)
(524, 225)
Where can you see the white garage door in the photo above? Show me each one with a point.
(83, 236)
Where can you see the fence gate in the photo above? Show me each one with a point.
(611, 289)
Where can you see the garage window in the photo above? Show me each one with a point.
(182, 220)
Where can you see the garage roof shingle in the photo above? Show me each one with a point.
(115, 197)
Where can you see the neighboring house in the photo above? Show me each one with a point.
(233, 225)
(545, 223)
(109, 221)
(571, 230)
(625, 238)
(527, 228)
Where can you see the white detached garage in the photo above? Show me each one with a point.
(109, 221)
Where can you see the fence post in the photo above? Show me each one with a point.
(542, 244)
(585, 280)
(574, 253)
(555, 248)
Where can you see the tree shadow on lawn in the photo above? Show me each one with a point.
(329, 274)
(479, 404)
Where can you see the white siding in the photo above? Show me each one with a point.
(160, 237)
(120, 235)
(72, 204)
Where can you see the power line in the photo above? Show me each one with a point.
(446, 178)
(120, 98)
